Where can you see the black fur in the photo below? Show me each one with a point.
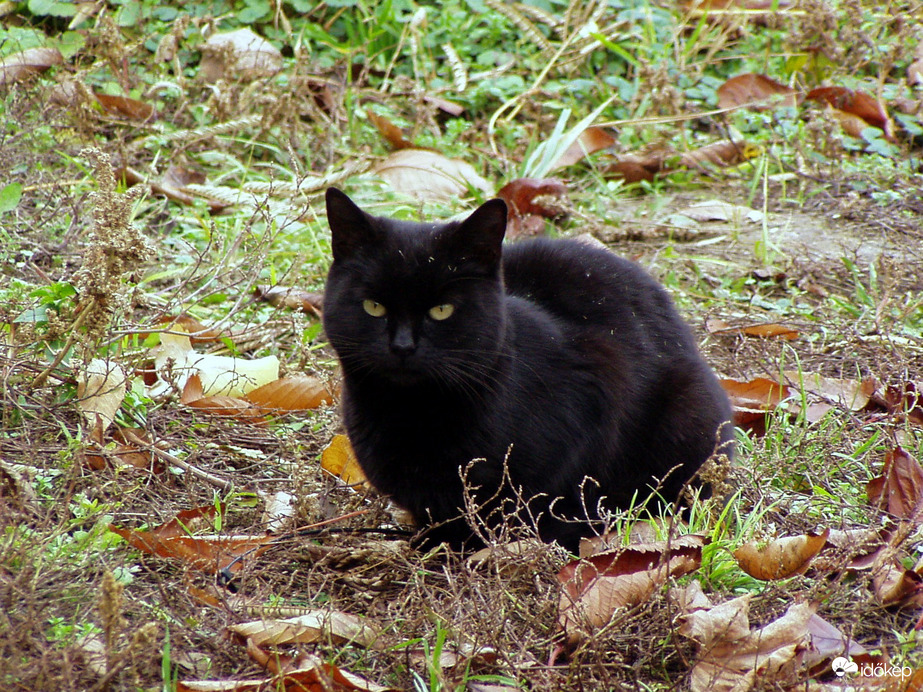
(560, 357)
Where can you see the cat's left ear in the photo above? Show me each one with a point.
(480, 236)
(350, 227)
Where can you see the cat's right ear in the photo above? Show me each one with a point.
(481, 234)
(350, 227)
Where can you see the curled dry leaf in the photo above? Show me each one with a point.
(780, 558)
(291, 298)
(428, 175)
(125, 107)
(900, 487)
(854, 104)
(238, 55)
(723, 154)
(595, 588)
(101, 388)
(391, 132)
(528, 201)
(19, 66)
(591, 140)
(316, 625)
(751, 400)
(206, 553)
(340, 460)
(295, 393)
(894, 585)
(828, 642)
(755, 91)
(905, 399)
(731, 655)
(176, 361)
(716, 326)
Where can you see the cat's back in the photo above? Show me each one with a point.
(589, 286)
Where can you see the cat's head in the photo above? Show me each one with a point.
(415, 303)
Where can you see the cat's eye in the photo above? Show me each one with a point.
(441, 312)
(373, 308)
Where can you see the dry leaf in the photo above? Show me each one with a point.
(19, 66)
(894, 585)
(900, 487)
(291, 298)
(316, 625)
(101, 388)
(731, 655)
(238, 55)
(206, 553)
(126, 107)
(391, 132)
(176, 361)
(590, 141)
(723, 154)
(340, 460)
(296, 393)
(428, 175)
(780, 558)
(854, 104)
(756, 92)
(529, 201)
(716, 326)
(595, 588)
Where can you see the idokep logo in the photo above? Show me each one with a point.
(843, 666)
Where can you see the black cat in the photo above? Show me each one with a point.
(553, 359)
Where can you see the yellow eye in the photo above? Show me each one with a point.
(442, 312)
(373, 308)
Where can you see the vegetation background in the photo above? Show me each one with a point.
(160, 175)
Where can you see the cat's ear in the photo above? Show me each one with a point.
(350, 227)
(480, 236)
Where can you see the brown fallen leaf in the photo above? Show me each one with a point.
(647, 166)
(391, 132)
(205, 553)
(591, 140)
(751, 400)
(756, 92)
(638, 167)
(316, 625)
(900, 487)
(856, 104)
(17, 67)
(894, 585)
(731, 655)
(780, 558)
(595, 588)
(428, 175)
(723, 154)
(339, 459)
(291, 298)
(198, 332)
(220, 404)
(294, 393)
(904, 400)
(529, 201)
(130, 108)
(717, 326)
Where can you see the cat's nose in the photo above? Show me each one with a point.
(403, 344)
